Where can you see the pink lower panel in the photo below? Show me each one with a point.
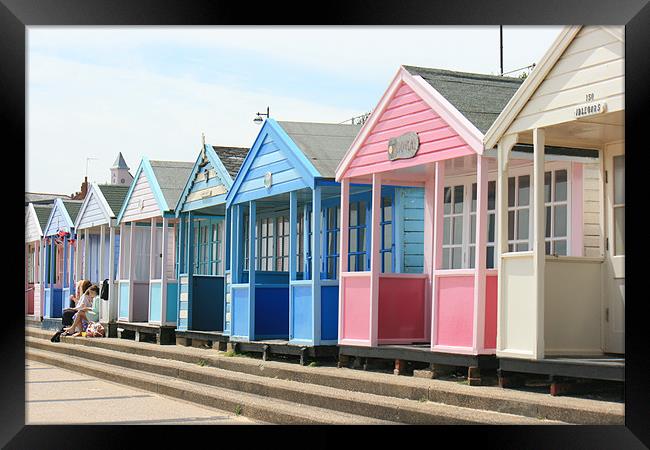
(490, 335)
(402, 305)
(356, 307)
(455, 318)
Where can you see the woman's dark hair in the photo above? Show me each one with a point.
(93, 287)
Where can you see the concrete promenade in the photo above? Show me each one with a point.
(59, 396)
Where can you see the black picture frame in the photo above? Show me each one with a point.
(16, 15)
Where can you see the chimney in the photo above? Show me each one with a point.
(84, 190)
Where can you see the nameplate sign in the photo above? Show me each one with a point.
(404, 146)
(268, 180)
(590, 109)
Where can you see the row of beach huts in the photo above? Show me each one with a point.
(472, 220)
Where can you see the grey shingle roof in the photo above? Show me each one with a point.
(114, 195)
(324, 144)
(479, 97)
(231, 157)
(42, 213)
(73, 207)
(42, 197)
(171, 176)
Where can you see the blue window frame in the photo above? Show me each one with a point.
(357, 241)
(207, 248)
(331, 230)
(387, 250)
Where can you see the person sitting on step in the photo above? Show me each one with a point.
(85, 312)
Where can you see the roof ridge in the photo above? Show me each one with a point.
(457, 73)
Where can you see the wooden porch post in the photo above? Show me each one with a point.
(305, 239)
(84, 257)
(438, 216)
(153, 256)
(131, 270)
(501, 245)
(316, 263)
(344, 249)
(112, 306)
(235, 246)
(539, 251)
(190, 266)
(163, 272)
(252, 220)
(478, 340)
(293, 219)
(375, 258)
(102, 243)
(429, 227)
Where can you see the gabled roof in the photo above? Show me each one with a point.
(120, 163)
(72, 207)
(171, 177)
(231, 157)
(528, 87)
(42, 197)
(462, 87)
(69, 210)
(114, 196)
(324, 144)
(478, 97)
(42, 213)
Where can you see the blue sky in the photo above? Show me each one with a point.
(94, 91)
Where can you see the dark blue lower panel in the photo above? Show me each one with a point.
(207, 303)
(272, 312)
(54, 302)
(329, 319)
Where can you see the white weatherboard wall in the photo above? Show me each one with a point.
(571, 327)
(593, 62)
(93, 214)
(58, 221)
(592, 228)
(141, 192)
(32, 227)
(518, 306)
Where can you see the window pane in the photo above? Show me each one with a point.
(456, 262)
(619, 179)
(387, 208)
(458, 230)
(474, 196)
(522, 247)
(447, 202)
(524, 190)
(511, 191)
(547, 186)
(547, 247)
(459, 192)
(388, 236)
(472, 255)
(445, 258)
(492, 194)
(490, 258)
(522, 224)
(362, 213)
(472, 229)
(560, 224)
(511, 225)
(353, 240)
(388, 262)
(445, 230)
(560, 185)
(353, 214)
(560, 247)
(491, 227)
(362, 240)
(547, 224)
(619, 231)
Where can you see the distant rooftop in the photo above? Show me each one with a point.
(42, 197)
(479, 97)
(120, 163)
(171, 176)
(324, 144)
(231, 157)
(114, 195)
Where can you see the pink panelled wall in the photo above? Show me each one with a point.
(402, 308)
(355, 306)
(490, 334)
(576, 210)
(405, 112)
(455, 310)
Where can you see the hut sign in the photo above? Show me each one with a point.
(268, 180)
(590, 109)
(404, 146)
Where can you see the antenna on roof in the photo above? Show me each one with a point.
(501, 46)
(202, 145)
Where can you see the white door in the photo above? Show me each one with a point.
(614, 267)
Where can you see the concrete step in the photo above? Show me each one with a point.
(534, 405)
(344, 401)
(250, 405)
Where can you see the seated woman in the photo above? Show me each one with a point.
(85, 312)
(68, 313)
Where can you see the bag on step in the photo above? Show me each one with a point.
(104, 291)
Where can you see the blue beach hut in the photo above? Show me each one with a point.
(284, 212)
(203, 253)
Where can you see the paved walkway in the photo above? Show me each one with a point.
(51, 391)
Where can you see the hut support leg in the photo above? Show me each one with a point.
(266, 354)
(400, 366)
(221, 346)
(507, 379)
(185, 342)
(344, 361)
(303, 356)
(474, 376)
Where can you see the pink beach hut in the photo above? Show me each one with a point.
(427, 132)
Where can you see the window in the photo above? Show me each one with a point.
(282, 244)
(491, 225)
(208, 247)
(619, 205)
(387, 245)
(557, 207)
(245, 239)
(518, 213)
(331, 230)
(452, 232)
(357, 241)
(30, 264)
